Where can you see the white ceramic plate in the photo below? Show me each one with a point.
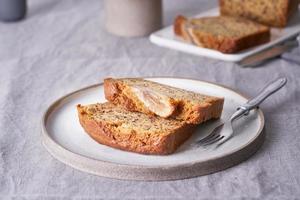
(166, 38)
(66, 140)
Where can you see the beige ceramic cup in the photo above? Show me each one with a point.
(132, 18)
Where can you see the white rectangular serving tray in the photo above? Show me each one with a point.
(166, 38)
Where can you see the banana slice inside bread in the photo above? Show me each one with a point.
(156, 102)
(165, 101)
(117, 127)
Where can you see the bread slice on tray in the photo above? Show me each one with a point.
(222, 33)
(153, 98)
(273, 13)
(132, 131)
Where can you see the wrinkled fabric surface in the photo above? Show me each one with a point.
(62, 46)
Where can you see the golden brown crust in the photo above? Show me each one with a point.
(103, 133)
(211, 108)
(249, 41)
(111, 89)
(180, 29)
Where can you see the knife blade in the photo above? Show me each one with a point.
(268, 54)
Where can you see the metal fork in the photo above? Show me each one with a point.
(224, 131)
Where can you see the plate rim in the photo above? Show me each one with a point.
(61, 153)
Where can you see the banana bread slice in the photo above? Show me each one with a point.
(222, 33)
(132, 131)
(273, 13)
(165, 101)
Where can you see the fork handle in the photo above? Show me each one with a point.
(265, 93)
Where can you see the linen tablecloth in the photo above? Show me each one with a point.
(62, 46)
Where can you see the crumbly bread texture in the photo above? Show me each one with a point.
(157, 99)
(132, 131)
(270, 12)
(222, 33)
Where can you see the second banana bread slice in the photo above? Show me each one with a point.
(222, 33)
(132, 131)
(157, 99)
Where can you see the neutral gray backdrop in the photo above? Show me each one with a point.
(62, 46)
